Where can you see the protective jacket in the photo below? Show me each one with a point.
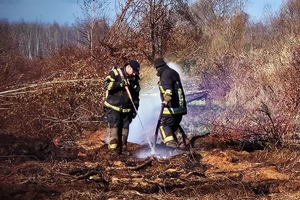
(170, 84)
(116, 95)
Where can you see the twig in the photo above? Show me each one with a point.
(16, 91)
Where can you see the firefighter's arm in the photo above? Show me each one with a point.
(135, 88)
(110, 82)
(136, 98)
(134, 83)
(167, 86)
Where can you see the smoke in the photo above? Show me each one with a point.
(161, 152)
(175, 67)
(142, 128)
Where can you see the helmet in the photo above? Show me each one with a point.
(159, 62)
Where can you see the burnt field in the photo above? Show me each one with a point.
(84, 169)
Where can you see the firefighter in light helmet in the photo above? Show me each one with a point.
(118, 106)
(173, 98)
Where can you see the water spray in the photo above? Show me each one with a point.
(152, 146)
(157, 126)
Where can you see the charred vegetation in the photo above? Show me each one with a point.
(241, 79)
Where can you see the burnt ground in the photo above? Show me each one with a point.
(85, 169)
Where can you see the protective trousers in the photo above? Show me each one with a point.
(118, 130)
(169, 124)
(115, 135)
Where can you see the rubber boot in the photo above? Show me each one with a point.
(124, 136)
(113, 138)
(125, 150)
(181, 138)
(172, 144)
(167, 137)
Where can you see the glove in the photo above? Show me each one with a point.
(164, 103)
(123, 83)
(167, 98)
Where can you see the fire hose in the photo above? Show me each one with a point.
(157, 126)
(135, 109)
(130, 97)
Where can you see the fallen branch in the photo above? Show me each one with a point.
(144, 164)
(87, 175)
(138, 167)
(17, 91)
(90, 175)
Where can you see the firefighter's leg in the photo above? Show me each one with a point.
(125, 149)
(113, 138)
(178, 137)
(124, 137)
(166, 131)
(179, 133)
(181, 137)
(113, 118)
(127, 119)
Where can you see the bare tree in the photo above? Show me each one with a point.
(290, 17)
(92, 23)
(151, 23)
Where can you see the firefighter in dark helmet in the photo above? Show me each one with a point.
(118, 106)
(173, 99)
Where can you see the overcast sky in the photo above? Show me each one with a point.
(66, 11)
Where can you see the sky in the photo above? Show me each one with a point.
(66, 11)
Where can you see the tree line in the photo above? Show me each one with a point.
(154, 27)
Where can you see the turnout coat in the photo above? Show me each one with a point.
(116, 95)
(170, 84)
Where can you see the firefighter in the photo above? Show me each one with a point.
(119, 108)
(173, 100)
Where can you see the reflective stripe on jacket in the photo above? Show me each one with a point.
(108, 105)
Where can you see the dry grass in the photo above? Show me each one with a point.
(262, 99)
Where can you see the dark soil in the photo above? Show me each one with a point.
(210, 169)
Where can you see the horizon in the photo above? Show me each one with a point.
(68, 11)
